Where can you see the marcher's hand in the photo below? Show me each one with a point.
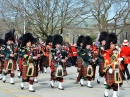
(79, 69)
(96, 58)
(93, 60)
(38, 55)
(66, 58)
(1, 55)
(35, 57)
(63, 60)
(15, 54)
(11, 55)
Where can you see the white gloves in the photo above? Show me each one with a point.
(120, 59)
(102, 48)
(110, 70)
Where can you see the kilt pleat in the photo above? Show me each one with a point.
(1, 66)
(101, 68)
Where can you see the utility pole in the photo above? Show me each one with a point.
(24, 18)
(115, 19)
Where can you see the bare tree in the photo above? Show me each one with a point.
(44, 17)
(107, 20)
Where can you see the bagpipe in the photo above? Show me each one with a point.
(89, 53)
(88, 68)
(58, 65)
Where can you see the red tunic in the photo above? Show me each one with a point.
(74, 51)
(125, 53)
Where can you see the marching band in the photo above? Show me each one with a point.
(30, 56)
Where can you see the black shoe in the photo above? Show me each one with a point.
(128, 78)
(31, 90)
(89, 86)
(61, 88)
(22, 88)
(98, 82)
(81, 85)
(51, 86)
(0, 78)
(12, 83)
(124, 78)
(105, 96)
(35, 81)
(18, 76)
(4, 81)
(105, 84)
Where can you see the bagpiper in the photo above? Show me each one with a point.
(79, 58)
(47, 54)
(1, 58)
(28, 65)
(112, 68)
(37, 52)
(19, 59)
(102, 41)
(64, 56)
(10, 52)
(57, 62)
(86, 72)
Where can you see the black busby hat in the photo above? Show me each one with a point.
(102, 36)
(111, 38)
(20, 41)
(56, 39)
(9, 36)
(86, 41)
(26, 38)
(1, 41)
(49, 39)
(80, 40)
(34, 40)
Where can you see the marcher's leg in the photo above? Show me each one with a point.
(127, 71)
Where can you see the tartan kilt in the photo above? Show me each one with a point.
(84, 71)
(110, 78)
(79, 62)
(1, 66)
(94, 71)
(101, 68)
(20, 63)
(24, 72)
(46, 62)
(6, 64)
(64, 69)
(36, 70)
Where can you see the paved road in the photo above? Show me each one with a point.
(43, 88)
